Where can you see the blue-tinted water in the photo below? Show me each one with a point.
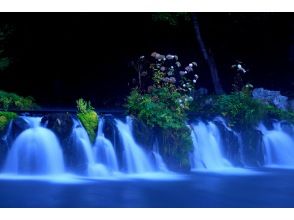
(271, 188)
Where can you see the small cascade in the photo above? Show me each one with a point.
(159, 163)
(238, 137)
(7, 134)
(104, 150)
(135, 159)
(36, 151)
(207, 143)
(82, 141)
(278, 147)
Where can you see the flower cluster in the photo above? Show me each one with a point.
(159, 71)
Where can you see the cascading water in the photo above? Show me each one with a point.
(81, 139)
(35, 151)
(159, 163)
(278, 146)
(237, 135)
(104, 150)
(207, 153)
(135, 159)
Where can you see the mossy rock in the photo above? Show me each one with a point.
(5, 118)
(90, 122)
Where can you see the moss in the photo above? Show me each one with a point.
(5, 118)
(90, 122)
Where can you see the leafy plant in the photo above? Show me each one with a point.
(88, 117)
(162, 103)
(12, 101)
(5, 118)
(239, 108)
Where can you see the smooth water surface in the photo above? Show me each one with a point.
(269, 188)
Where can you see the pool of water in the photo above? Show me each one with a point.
(263, 188)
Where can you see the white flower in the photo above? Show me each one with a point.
(180, 101)
(196, 76)
(239, 66)
(190, 98)
(190, 65)
(182, 105)
(189, 89)
(184, 85)
(194, 80)
(171, 67)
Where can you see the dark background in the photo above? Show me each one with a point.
(59, 57)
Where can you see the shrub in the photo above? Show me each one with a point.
(162, 102)
(88, 118)
(239, 108)
(12, 101)
(5, 118)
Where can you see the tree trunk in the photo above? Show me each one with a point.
(207, 57)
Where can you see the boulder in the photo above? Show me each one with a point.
(271, 97)
(60, 123)
(252, 147)
(18, 125)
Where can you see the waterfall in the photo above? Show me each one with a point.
(278, 146)
(207, 144)
(238, 137)
(104, 150)
(35, 151)
(81, 139)
(159, 163)
(135, 159)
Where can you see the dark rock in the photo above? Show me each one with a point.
(252, 147)
(231, 144)
(143, 134)
(111, 133)
(18, 125)
(60, 123)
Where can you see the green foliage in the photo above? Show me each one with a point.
(172, 18)
(12, 101)
(239, 108)
(159, 108)
(164, 102)
(178, 143)
(84, 106)
(274, 113)
(5, 31)
(4, 63)
(88, 117)
(5, 118)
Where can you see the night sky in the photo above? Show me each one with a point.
(59, 57)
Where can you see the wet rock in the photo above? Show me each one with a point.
(231, 144)
(252, 147)
(60, 123)
(18, 125)
(271, 97)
